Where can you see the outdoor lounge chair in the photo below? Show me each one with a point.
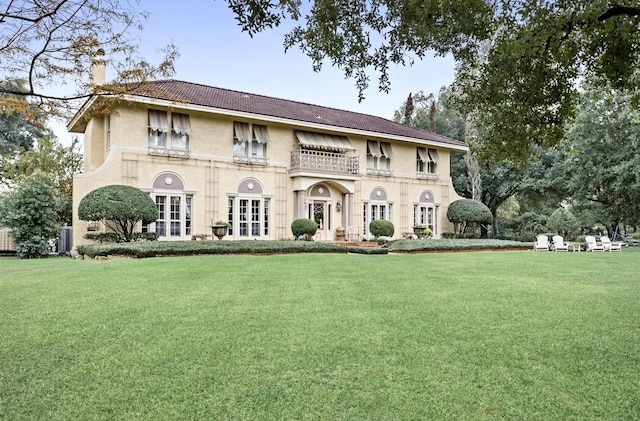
(609, 245)
(592, 245)
(541, 244)
(559, 244)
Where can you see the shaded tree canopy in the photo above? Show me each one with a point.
(604, 158)
(119, 207)
(20, 122)
(517, 62)
(50, 44)
(58, 161)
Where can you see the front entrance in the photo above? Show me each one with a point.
(319, 216)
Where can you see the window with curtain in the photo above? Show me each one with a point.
(240, 139)
(426, 160)
(259, 141)
(181, 130)
(433, 161)
(158, 128)
(164, 124)
(250, 143)
(379, 156)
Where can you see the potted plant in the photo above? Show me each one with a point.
(220, 228)
(422, 231)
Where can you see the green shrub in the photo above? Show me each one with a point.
(102, 237)
(120, 208)
(27, 210)
(448, 235)
(305, 227)
(381, 228)
(112, 237)
(464, 212)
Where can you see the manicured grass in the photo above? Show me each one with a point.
(474, 335)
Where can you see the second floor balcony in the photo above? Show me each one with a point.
(325, 162)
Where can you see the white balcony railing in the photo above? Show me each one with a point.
(327, 162)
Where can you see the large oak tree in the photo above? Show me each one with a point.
(517, 61)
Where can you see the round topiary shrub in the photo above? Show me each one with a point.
(305, 227)
(120, 208)
(464, 212)
(381, 228)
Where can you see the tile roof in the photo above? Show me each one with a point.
(208, 96)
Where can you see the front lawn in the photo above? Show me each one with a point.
(484, 335)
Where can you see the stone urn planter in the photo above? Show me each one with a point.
(219, 229)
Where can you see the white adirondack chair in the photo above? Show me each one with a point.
(592, 244)
(541, 244)
(609, 245)
(559, 244)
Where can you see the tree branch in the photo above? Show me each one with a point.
(619, 10)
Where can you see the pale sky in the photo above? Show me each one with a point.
(213, 51)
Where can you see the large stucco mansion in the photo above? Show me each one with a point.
(206, 154)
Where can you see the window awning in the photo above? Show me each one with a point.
(325, 142)
(241, 132)
(181, 124)
(260, 134)
(158, 121)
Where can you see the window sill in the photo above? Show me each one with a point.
(179, 153)
(382, 173)
(250, 161)
(427, 176)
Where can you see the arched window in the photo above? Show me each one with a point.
(175, 208)
(425, 211)
(249, 211)
(377, 207)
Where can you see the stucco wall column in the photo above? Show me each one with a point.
(298, 209)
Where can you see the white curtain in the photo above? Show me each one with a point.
(260, 134)
(241, 132)
(433, 155)
(181, 124)
(385, 149)
(422, 153)
(374, 148)
(158, 121)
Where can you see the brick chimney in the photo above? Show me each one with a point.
(97, 73)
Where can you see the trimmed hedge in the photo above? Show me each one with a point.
(189, 248)
(112, 237)
(455, 245)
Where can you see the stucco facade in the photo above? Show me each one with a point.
(260, 163)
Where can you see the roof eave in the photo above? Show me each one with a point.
(289, 121)
(77, 124)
